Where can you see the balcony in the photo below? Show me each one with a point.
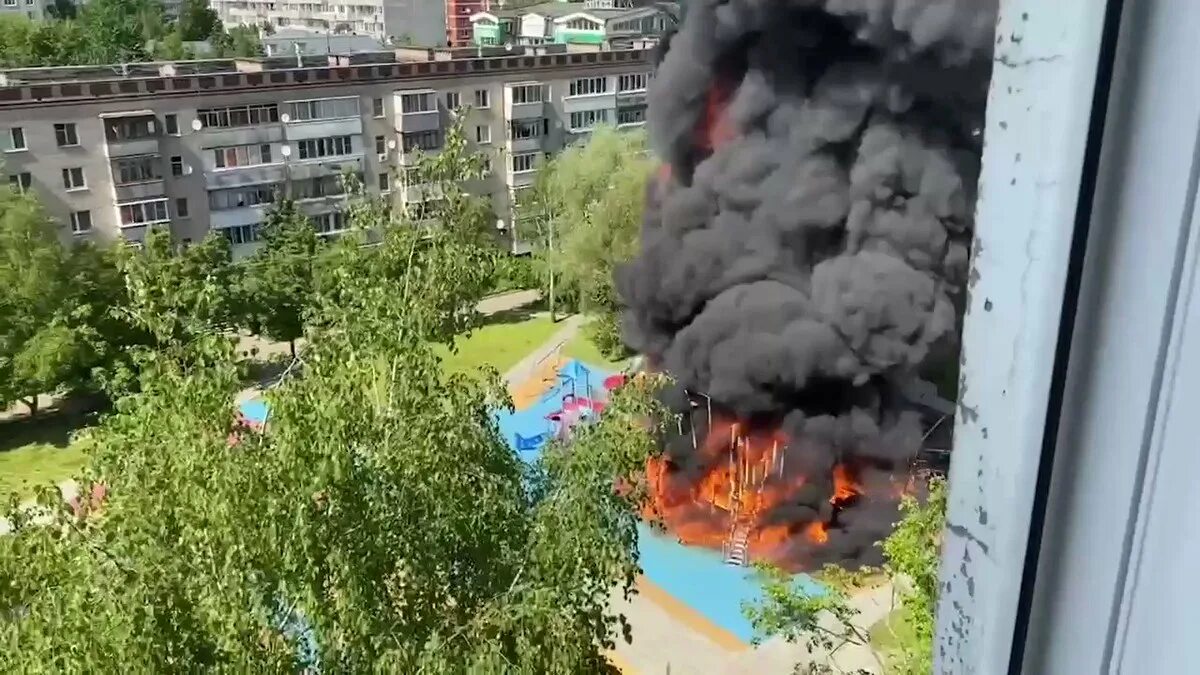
(239, 176)
(134, 132)
(345, 126)
(133, 192)
(224, 138)
(524, 100)
(417, 110)
(246, 215)
(330, 166)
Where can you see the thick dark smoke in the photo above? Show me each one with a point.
(808, 249)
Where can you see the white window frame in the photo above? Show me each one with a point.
(453, 100)
(532, 162)
(378, 107)
(76, 228)
(582, 87)
(417, 103)
(483, 99)
(165, 217)
(640, 82)
(252, 153)
(596, 117)
(70, 133)
(483, 134)
(68, 176)
(13, 132)
(531, 92)
(318, 105)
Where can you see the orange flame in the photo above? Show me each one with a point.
(741, 477)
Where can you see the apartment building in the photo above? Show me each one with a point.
(458, 19)
(210, 145)
(30, 9)
(419, 22)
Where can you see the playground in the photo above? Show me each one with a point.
(695, 585)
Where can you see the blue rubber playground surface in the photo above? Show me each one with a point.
(696, 577)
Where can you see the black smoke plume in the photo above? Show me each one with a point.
(805, 249)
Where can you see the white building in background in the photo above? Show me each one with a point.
(418, 22)
(32, 9)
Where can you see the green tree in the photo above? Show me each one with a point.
(116, 31)
(279, 282)
(587, 205)
(38, 345)
(378, 524)
(237, 42)
(62, 9)
(197, 21)
(824, 621)
(913, 552)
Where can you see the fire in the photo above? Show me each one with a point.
(742, 480)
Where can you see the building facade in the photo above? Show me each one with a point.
(212, 149)
(418, 22)
(458, 20)
(610, 23)
(30, 9)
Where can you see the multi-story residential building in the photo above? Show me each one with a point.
(458, 20)
(418, 22)
(210, 145)
(31, 9)
(612, 23)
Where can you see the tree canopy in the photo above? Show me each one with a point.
(588, 204)
(378, 523)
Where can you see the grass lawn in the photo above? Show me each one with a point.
(888, 635)
(501, 343)
(582, 349)
(39, 451)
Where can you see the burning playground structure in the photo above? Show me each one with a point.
(804, 261)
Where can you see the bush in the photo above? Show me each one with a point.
(514, 273)
(604, 331)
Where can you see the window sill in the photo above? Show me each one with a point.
(81, 233)
(135, 183)
(70, 146)
(577, 96)
(82, 188)
(219, 169)
(15, 151)
(130, 226)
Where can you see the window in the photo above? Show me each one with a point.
(527, 93)
(176, 165)
(20, 181)
(171, 122)
(326, 109)
(66, 135)
(582, 24)
(487, 164)
(452, 100)
(10, 3)
(385, 184)
(329, 223)
(631, 115)
(315, 148)
(377, 107)
(417, 103)
(380, 145)
(633, 82)
(424, 140)
(483, 134)
(242, 197)
(242, 234)
(73, 178)
(181, 207)
(81, 222)
(242, 155)
(136, 169)
(525, 129)
(16, 139)
(143, 213)
(523, 163)
(129, 129)
(585, 120)
(589, 86)
(238, 116)
(320, 186)
(482, 99)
